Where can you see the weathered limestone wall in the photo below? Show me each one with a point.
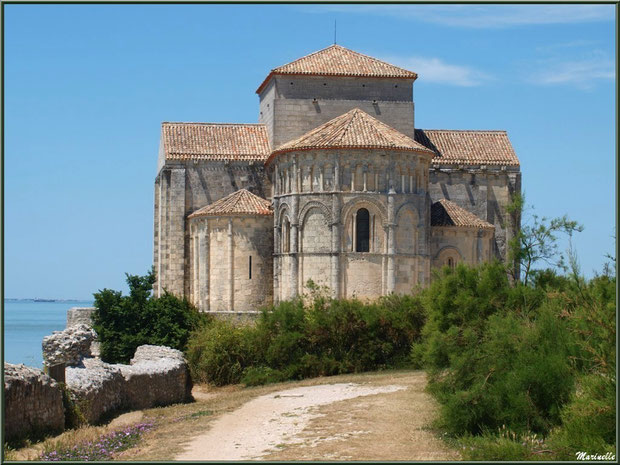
(317, 197)
(156, 376)
(467, 245)
(362, 275)
(80, 316)
(253, 238)
(32, 403)
(484, 192)
(290, 106)
(181, 188)
(233, 271)
(165, 373)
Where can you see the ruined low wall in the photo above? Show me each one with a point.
(32, 403)
(80, 316)
(163, 370)
(68, 346)
(157, 376)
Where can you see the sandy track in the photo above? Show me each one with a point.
(271, 421)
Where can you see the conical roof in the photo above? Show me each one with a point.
(447, 213)
(241, 202)
(355, 129)
(336, 60)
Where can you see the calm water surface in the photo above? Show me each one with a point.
(26, 323)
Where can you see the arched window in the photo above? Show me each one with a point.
(451, 262)
(362, 227)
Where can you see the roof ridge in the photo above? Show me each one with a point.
(356, 111)
(306, 56)
(213, 124)
(463, 130)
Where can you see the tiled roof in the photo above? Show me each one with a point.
(242, 202)
(336, 60)
(354, 129)
(468, 147)
(447, 213)
(215, 141)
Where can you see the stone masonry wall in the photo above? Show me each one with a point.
(468, 245)
(328, 188)
(182, 188)
(290, 110)
(253, 237)
(485, 193)
(80, 315)
(32, 403)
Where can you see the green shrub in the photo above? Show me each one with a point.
(307, 338)
(537, 359)
(255, 376)
(123, 323)
(219, 352)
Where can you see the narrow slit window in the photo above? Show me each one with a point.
(250, 268)
(362, 226)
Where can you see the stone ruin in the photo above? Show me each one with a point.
(32, 403)
(156, 376)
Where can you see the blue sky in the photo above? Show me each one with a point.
(87, 87)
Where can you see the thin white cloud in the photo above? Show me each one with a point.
(437, 71)
(482, 16)
(583, 73)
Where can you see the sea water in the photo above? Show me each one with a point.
(27, 322)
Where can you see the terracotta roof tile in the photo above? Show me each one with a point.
(336, 60)
(447, 213)
(354, 129)
(468, 147)
(242, 202)
(215, 141)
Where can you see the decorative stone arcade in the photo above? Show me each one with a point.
(337, 207)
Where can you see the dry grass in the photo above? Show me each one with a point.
(357, 429)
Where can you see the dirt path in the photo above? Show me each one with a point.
(347, 421)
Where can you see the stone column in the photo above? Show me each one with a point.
(294, 246)
(176, 239)
(203, 272)
(336, 174)
(277, 256)
(195, 255)
(354, 232)
(391, 275)
(335, 258)
(231, 264)
(163, 224)
(156, 234)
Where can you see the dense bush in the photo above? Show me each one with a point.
(522, 372)
(218, 352)
(308, 337)
(123, 323)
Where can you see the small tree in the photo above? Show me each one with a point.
(537, 239)
(123, 323)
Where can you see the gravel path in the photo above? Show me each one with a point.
(261, 425)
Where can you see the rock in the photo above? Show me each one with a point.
(32, 403)
(69, 346)
(163, 370)
(96, 387)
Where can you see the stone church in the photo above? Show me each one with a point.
(335, 184)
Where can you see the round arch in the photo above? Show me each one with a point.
(315, 204)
